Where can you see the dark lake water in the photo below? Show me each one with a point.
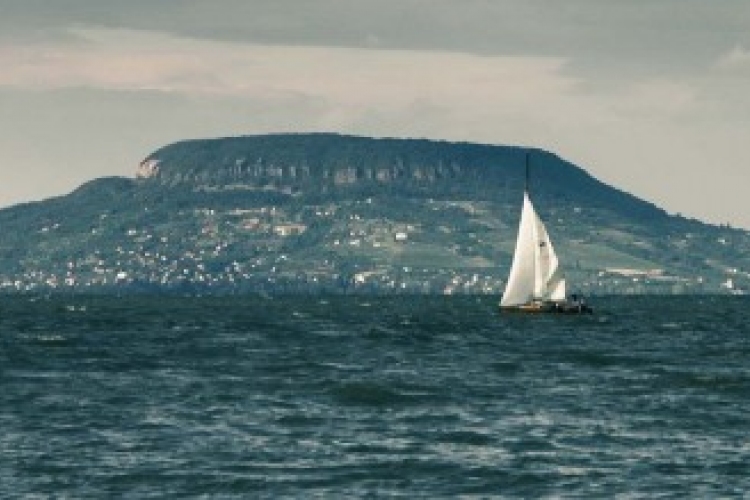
(371, 397)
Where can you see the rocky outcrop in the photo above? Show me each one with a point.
(147, 169)
(302, 164)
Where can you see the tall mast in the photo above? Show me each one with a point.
(526, 184)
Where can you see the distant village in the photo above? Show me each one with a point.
(253, 250)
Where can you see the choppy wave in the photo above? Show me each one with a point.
(346, 397)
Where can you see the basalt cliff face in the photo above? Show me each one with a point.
(307, 213)
(312, 164)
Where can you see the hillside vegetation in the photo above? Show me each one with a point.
(305, 213)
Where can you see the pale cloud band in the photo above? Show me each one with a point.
(465, 89)
(141, 60)
(447, 94)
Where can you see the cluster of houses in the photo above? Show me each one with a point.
(253, 249)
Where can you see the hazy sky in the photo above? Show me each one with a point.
(652, 96)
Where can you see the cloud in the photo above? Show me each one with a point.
(736, 60)
(633, 36)
(445, 95)
(633, 91)
(137, 60)
(664, 100)
(108, 59)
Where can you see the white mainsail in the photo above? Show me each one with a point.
(535, 273)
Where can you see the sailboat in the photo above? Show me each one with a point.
(536, 283)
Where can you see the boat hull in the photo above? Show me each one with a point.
(548, 308)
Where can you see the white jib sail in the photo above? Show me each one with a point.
(550, 284)
(535, 272)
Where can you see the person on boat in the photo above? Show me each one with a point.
(577, 301)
